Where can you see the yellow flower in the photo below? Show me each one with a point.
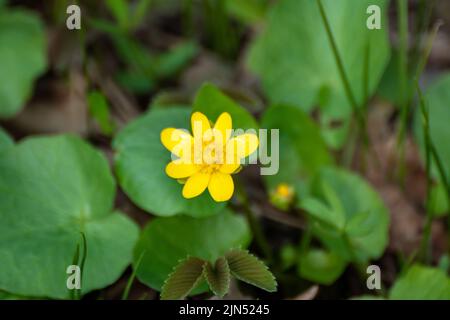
(208, 157)
(282, 196)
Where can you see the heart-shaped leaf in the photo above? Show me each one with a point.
(358, 229)
(140, 165)
(295, 62)
(52, 189)
(212, 102)
(246, 267)
(302, 150)
(218, 276)
(184, 278)
(421, 283)
(23, 57)
(166, 241)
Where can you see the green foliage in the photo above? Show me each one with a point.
(438, 98)
(347, 215)
(218, 276)
(99, 110)
(5, 140)
(57, 187)
(139, 150)
(212, 102)
(23, 58)
(421, 283)
(169, 240)
(246, 267)
(185, 277)
(302, 149)
(296, 64)
(249, 11)
(320, 266)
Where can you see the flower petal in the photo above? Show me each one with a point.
(179, 169)
(223, 127)
(221, 186)
(176, 140)
(200, 124)
(240, 147)
(196, 184)
(229, 168)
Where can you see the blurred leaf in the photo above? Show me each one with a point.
(302, 151)
(249, 11)
(248, 268)
(23, 58)
(296, 65)
(438, 202)
(218, 276)
(140, 163)
(212, 102)
(58, 187)
(99, 110)
(421, 283)
(320, 266)
(171, 62)
(120, 11)
(184, 278)
(5, 140)
(168, 240)
(438, 100)
(363, 234)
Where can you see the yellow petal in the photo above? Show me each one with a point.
(200, 124)
(179, 169)
(223, 127)
(221, 186)
(195, 185)
(229, 168)
(176, 140)
(240, 147)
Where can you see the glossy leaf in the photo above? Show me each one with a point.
(5, 140)
(141, 160)
(52, 189)
(320, 266)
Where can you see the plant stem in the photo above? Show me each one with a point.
(402, 18)
(126, 292)
(348, 91)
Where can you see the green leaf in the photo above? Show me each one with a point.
(23, 58)
(218, 276)
(421, 283)
(99, 110)
(119, 9)
(184, 278)
(54, 188)
(360, 232)
(321, 266)
(171, 62)
(5, 140)
(249, 11)
(168, 240)
(246, 267)
(140, 165)
(438, 202)
(296, 65)
(302, 151)
(212, 102)
(438, 99)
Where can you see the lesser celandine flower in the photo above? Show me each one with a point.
(208, 157)
(282, 196)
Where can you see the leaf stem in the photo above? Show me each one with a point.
(126, 292)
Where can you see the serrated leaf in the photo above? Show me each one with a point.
(248, 268)
(184, 278)
(218, 276)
